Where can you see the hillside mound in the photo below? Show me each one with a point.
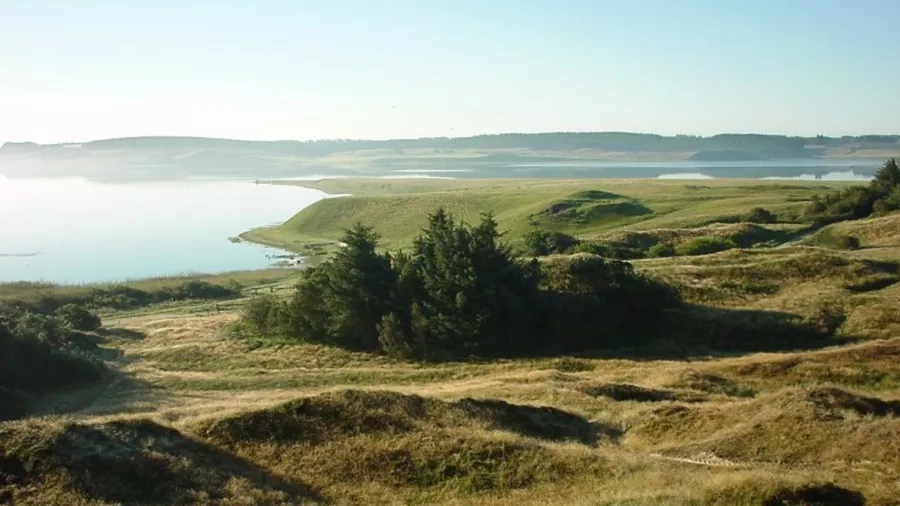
(131, 462)
(329, 417)
(795, 425)
(743, 235)
(398, 441)
(881, 232)
(591, 207)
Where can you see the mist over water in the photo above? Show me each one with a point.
(70, 230)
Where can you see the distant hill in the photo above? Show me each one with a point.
(773, 145)
(175, 157)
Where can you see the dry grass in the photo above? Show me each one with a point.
(774, 417)
(197, 416)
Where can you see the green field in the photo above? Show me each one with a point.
(585, 208)
(193, 414)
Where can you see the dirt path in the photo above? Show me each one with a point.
(703, 459)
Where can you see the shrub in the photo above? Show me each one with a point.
(704, 246)
(661, 250)
(542, 242)
(78, 317)
(40, 354)
(831, 238)
(262, 315)
(759, 215)
(881, 196)
(571, 365)
(190, 290)
(610, 250)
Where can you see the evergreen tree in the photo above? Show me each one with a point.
(343, 301)
(472, 297)
(887, 178)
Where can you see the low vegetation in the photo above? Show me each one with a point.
(40, 354)
(880, 197)
(48, 298)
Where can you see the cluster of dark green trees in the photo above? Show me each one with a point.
(41, 353)
(881, 196)
(458, 293)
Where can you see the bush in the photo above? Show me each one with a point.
(610, 250)
(759, 215)
(40, 354)
(661, 250)
(831, 238)
(704, 246)
(881, 196)
(78, 317)
(199, 290)
(263, 315)
(542, 243)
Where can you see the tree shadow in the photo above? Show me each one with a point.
(706, 333)
(727, 330)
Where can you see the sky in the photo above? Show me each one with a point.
(77, 70)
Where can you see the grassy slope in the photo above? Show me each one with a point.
(724, 430)
(250, 280)
(398, 209)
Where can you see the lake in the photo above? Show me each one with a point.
(70, 230)
(74, 230)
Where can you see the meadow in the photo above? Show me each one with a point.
(707, 414)
(588, 209)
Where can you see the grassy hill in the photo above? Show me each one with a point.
(586, 208)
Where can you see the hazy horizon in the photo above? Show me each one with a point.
(485, 134)
(349, 69)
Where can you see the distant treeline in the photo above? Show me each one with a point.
(734, 144)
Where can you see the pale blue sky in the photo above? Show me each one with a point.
(295, 69)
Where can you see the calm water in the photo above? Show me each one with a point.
(71, 230)
(75, 231)
(828, 176)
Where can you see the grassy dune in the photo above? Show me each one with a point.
(200, 417)
(194, 415)
(587, 208)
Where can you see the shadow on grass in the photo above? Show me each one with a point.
(138, 462)
(120, 333)
(699, 332)
(339, 415)
(539, 422)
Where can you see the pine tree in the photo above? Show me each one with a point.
(887, 178)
